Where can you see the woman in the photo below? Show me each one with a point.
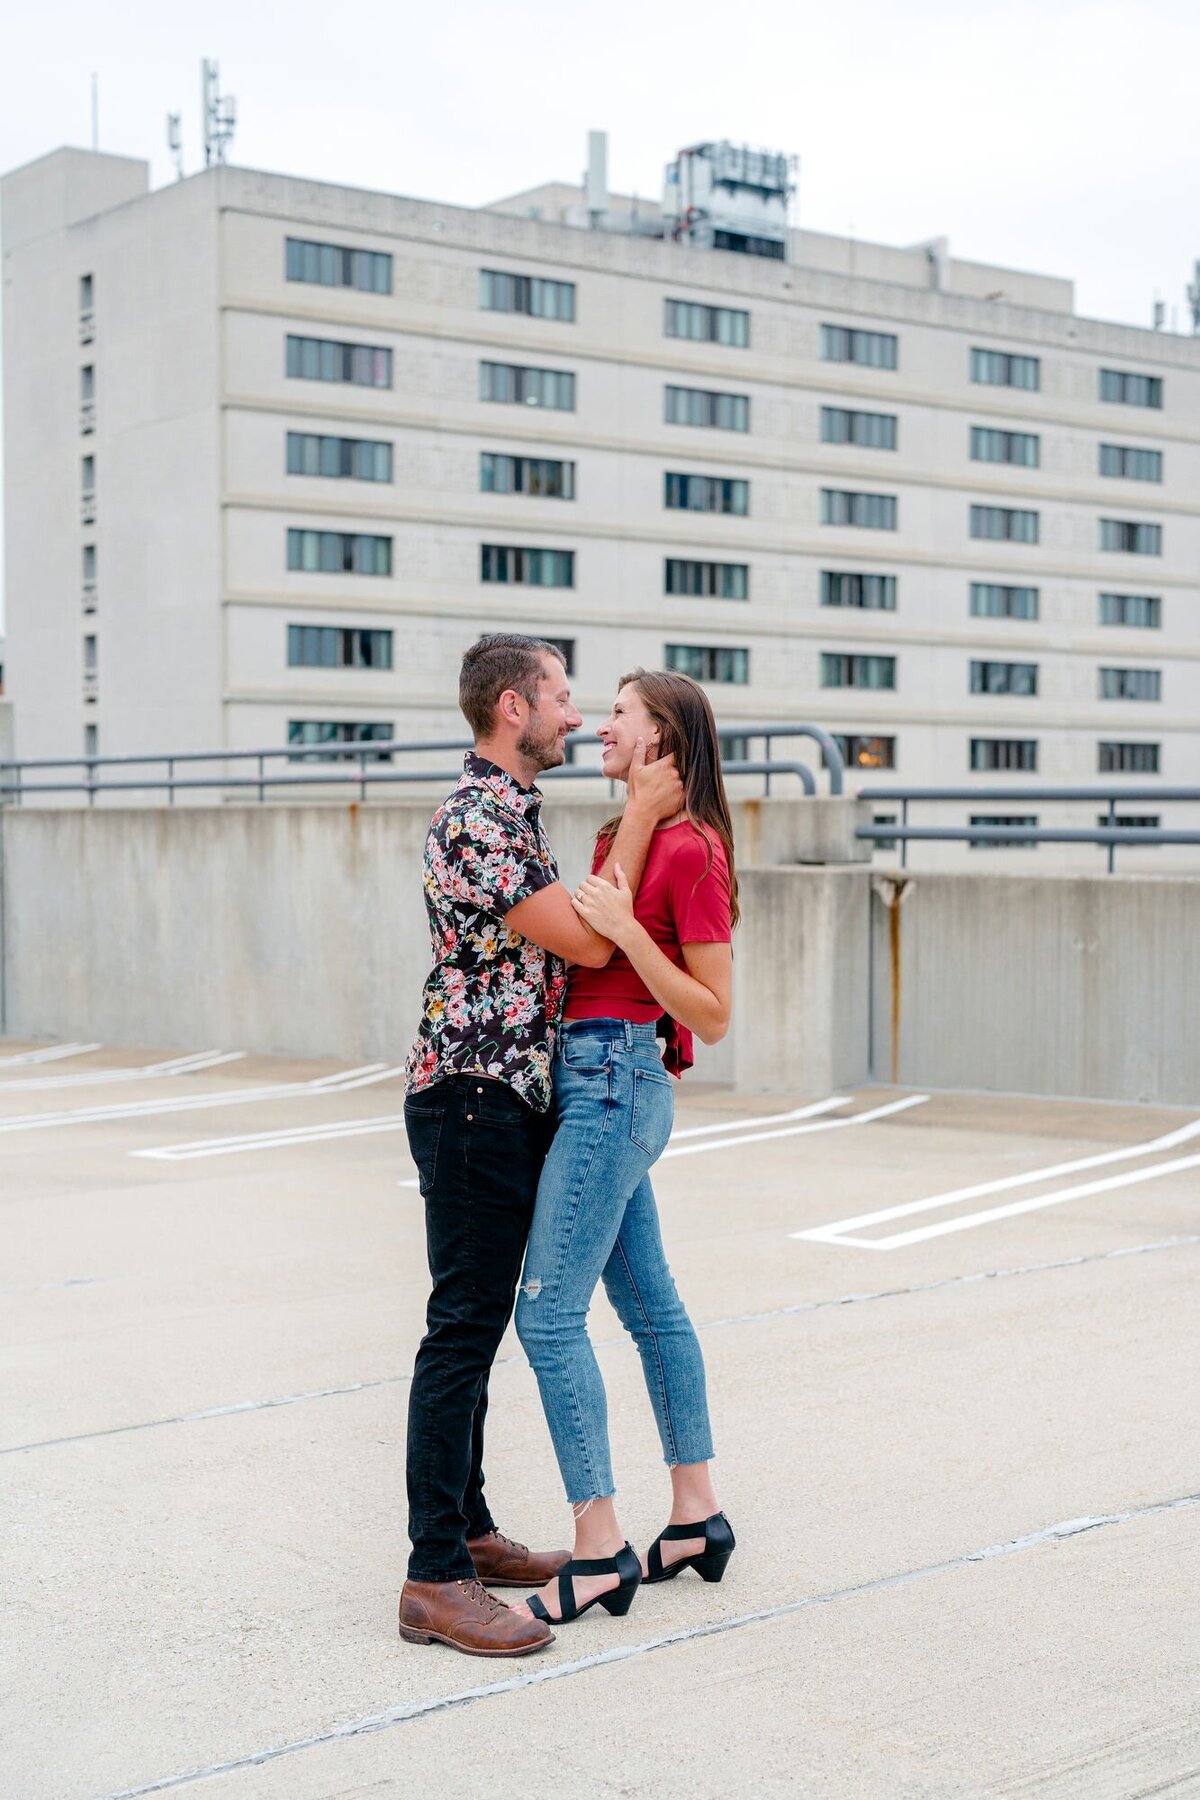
(595, 1216)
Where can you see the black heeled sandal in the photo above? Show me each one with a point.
(708, 1563)
(616, 1600)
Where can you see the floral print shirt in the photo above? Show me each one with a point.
(492, 1001)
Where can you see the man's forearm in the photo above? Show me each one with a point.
(631, 845)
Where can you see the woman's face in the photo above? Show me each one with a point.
(626, 723)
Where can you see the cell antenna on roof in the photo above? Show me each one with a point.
(219, 112)
(175, 142)
(1193, 294)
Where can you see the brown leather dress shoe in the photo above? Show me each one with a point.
(502, 1562)
(464, 1615)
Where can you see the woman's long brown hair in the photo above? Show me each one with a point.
(680, 708)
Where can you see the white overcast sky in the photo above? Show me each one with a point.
(1056, 135)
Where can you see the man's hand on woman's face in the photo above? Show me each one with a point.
(655, 786)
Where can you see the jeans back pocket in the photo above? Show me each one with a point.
(653, 1112)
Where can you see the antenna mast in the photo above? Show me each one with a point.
(219, 112)
(175, 142)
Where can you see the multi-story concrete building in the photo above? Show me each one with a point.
(277, 450)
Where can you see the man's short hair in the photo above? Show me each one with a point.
(496, 661)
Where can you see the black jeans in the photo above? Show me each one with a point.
(479, 1150)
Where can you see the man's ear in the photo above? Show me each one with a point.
(509, 706)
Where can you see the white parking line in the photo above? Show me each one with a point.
(314, 1134)
(138, 1109)
(56, 1053)
(178, 1065)
(801, 1112)
(762, 1137)
(843, 1231)
(272, 1140)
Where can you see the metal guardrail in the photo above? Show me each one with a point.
(1110, 835)
(15, 785)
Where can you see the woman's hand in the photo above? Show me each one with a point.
(607, 909)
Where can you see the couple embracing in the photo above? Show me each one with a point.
(538, 1099)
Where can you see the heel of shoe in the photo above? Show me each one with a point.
(619, 1600)
(712, 1565)
(414, 1637)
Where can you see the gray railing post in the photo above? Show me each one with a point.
(904, 840)
(767, 758)
(362, 774)
(262, 792)
(1112, 845)
(170, 781)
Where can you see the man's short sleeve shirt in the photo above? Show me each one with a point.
(492, 1001)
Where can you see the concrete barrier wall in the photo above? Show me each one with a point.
(302, 929)
(1072, 985)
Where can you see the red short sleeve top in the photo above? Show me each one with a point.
(683, 898)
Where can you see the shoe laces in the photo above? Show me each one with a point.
(474, 1590)
(503, 1538)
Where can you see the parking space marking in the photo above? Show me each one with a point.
(754, 1318)
(315, 1134)
(178, 1065)
(272, 1140)
(755, 1136)
(762, 1137)
(801, 1112)
(55, 1053)
(1058, 1532)
(842, 1231)
(138, 1109)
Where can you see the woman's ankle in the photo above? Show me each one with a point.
(597, 1532)
(693, 1496)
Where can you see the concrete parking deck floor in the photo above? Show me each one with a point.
(958, 1441)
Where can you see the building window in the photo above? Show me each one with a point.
(707, 324)
(991, 600)
(501, 292)
(86, 293)
(334, 265)
(746, 245)
(87, 474)
(697, 406)
(1129, 759)
(89, 655)
(89, 564)
(1130, 464)
(533, 568)
(512, 384)
(1131, 821)
(566, 649)
(1133, 538)
(550, 479)
(1131, 684)
(343, 459)
(706, 493)
(872, 431)
(996, 368)
(870, 593)
(1020, 447)
(989, 755)
(863, 752)
(338, 647)
(1131, 390)
(87, 399)
(874, 512)
(840, 669)
(328, 359)
(874, 349)
(319, 738)
(1144, 610)
(888, 843)
(1004, 522)
(1004, 678)
(708, 662)
(91, 740)
(338, 552)
(707, 580)
(1010, 820)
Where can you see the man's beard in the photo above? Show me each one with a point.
(542, 748)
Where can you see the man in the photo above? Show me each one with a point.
(477, 1112)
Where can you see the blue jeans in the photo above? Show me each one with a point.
(595, 1218)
